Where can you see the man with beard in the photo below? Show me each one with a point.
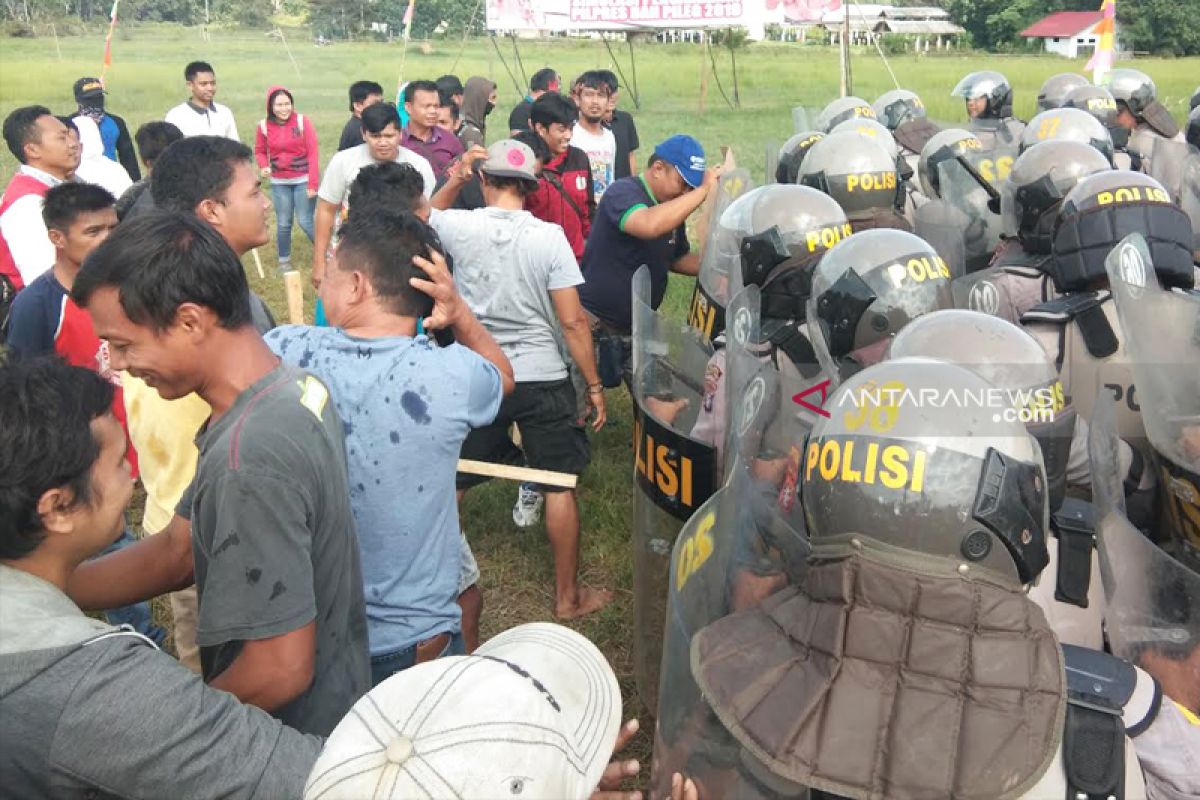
(591, 95)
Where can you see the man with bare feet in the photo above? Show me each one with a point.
(519, 276)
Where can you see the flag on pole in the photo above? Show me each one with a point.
(112, 24)
(1102, 60)
(408, 14)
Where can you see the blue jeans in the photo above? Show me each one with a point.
(137, 615)
(388, 664)
(291, 199)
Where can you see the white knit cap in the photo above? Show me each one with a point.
(534, 713)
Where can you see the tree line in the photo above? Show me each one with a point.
(1161, 27)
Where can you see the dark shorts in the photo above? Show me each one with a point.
(545, 415)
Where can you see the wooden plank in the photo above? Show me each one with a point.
(295, 296)
(511, 473)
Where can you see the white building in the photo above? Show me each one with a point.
(1068, 33)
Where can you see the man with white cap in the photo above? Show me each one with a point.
(519, 277)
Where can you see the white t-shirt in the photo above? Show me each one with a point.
(601, 152)
(216, 120)
(344, 167)
(506, 263)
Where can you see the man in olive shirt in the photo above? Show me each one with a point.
(266, 529)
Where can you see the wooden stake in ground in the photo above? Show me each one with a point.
(293, 284)
(703, 73)
(258, 263)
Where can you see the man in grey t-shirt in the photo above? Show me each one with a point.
(270, 543)
(519, 276)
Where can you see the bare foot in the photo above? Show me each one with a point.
(588, 600)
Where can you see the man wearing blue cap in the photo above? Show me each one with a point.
(641, 220)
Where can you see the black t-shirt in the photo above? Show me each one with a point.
(625, 132)
(351, 134)
(612, 256)
(518, 120)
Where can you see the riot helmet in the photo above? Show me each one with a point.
(792, 154)
(1099, 102)
(860, 174)
(1040, 178)
(871, 129)
(869, 287)
(784, 229)
(942, 455)
(948, 144)
(1134, 88)
(992, 86)
(1194, 103)
(842, 109)
(1192, 134)
(1011, 359)
(1100, 211)
(1067, 124)
(1137, 92)
(1055, 90)
(898, 106)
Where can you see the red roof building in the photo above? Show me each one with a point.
(1067, 33)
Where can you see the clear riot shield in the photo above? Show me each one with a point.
(720, 273)
(1167, 161)
(745, 544)
(745, 357)
(772, 161)
(674, 472)
(961, 187)
(1189, 198)
(1153, 599)
(1162, 338)
(803, 119)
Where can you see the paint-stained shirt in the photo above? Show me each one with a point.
(273, 541)
(406, 405)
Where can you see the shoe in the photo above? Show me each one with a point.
(285, 266)
(528, 510)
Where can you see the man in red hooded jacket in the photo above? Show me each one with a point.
(564, 195)
(285, 147)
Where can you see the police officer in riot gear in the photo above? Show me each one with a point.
(956, 219)
(1013, 361)
(861, 175)
(1067, 125)
(989, 101)
(1140, 112)
(888, 667)
(842, 109)
(1055, 90)
(784, 230)
(1079, 329)
(903, 113)
(1099, 102)
(1041, 177)
(792, 154)
(865, 290)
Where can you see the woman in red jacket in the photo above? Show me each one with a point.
(285, 146)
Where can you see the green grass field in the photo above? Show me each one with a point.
(146, 80)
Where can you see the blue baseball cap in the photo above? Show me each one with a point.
(686, 155)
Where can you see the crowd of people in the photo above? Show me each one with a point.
(302, 482)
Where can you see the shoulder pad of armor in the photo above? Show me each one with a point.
(1098, 680)
(1063, 309)
(1084, 308)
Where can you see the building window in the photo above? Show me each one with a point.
(1056, 38)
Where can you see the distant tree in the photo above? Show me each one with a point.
(1165, 27)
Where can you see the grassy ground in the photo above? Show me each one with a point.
(146, 80)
